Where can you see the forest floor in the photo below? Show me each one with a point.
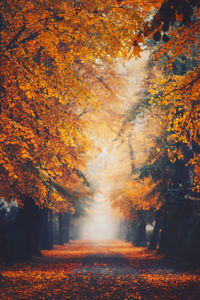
(82, 270)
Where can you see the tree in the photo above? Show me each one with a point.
(43, 94)
(174, 92)
(177, 91)
(135, 198)
(42, 42)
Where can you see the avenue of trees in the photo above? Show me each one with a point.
(49, 52)
(44, 44)
(164, 190)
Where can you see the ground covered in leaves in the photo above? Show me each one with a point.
(82, 270)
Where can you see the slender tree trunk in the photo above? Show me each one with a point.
(129, 232)
(163, 237)
(60, 229)
(134, 231)
(156, 231)
(50, 229)
(141, 239)
(36, 233)
(123, 229)
(131, 154)
(67, 227)
(46, 236)
(44, 229)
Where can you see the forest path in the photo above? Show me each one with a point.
(83, 270)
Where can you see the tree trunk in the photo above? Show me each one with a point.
(27, 230)
(50, 229)
(164, 236)
(60, 229)
(156, 231)
(141, 239)
(129, 232)
(46, 240)
(134, 231)
(67, 227)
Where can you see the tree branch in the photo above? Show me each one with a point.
(182, 88)
(95, 76)
(11, 45)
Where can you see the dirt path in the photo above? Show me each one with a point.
(81, 270)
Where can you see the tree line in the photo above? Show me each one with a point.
(164, 189)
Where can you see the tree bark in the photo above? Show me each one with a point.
(46, 236)
(164, 236)
(156, 231)
(67, 227)
(27, 230)
(60, 229)
(141, 239)
(50, 229)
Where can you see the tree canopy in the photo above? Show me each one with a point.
(42, 92)
(172, 99)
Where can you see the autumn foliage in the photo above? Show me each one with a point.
(109, 271)
(173, 96)
(42, 93)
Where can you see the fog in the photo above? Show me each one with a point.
(108, 162)
(100, 224)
